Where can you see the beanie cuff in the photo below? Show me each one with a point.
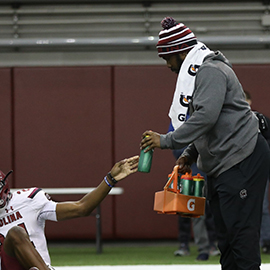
(175, 49)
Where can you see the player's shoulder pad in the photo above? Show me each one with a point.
(39, 191)
(34, 192)
(31, 193)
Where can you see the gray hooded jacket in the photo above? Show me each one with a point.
(222, 130)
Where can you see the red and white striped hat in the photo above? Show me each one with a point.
(174, 38)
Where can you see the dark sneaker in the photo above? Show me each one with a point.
(202, 257)
(183, 251)
(266, 249)
(214, 251)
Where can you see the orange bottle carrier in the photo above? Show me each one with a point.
(171, 201)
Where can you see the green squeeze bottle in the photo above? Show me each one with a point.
(145, 160)
(198, 185)
(187, 184)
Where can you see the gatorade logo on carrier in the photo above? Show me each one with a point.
(191, 205)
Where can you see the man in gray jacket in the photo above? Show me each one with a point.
(223, 137)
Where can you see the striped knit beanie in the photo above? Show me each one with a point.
(174, 38)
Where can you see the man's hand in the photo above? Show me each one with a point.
(184, 164)
(151, 140)
(124, 168)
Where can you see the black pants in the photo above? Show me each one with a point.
(236, 198)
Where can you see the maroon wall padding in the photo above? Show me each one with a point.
(256, 80)
(143, 96)
(63, 129)
(72, 123)
(85, 227)
(6, 120)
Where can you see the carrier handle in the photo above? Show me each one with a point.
(174, 178)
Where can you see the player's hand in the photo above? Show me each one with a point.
(184, 164)
(151, 140)
(124, 168)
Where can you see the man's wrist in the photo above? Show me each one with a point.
(110, 177)
(108, 182)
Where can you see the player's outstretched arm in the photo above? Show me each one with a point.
(83, 207)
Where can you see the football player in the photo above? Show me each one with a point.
(23, 214)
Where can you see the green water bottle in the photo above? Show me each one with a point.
(145, 161)
(187, 184)
(198, 185)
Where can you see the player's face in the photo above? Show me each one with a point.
(174, 62)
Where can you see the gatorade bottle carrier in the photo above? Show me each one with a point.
(171, 201)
